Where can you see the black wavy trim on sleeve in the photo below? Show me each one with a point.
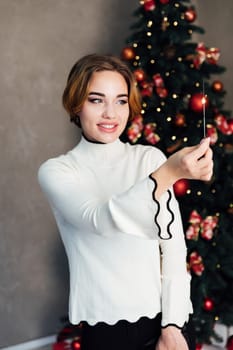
(171, 324)
(157, 202)
(171, 212)
(168, 208)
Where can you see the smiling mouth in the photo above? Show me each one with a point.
(109, 127)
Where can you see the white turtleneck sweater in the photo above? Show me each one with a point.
(121, 266)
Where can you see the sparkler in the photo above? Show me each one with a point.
(203, 101)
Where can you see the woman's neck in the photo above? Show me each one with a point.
(92, 141)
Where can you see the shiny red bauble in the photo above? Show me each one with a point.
(190, 15)
(208, 304)
(217, 86)
(230, 125)
(139, 74)
(149, 5)
(128, 53)
(196, 102)
(229, 345)
(179, 120)
(75, 345)
(198, 347)
(180, 187)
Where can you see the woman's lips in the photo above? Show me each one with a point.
(107, 127)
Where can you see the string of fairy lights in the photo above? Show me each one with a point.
(166, 22)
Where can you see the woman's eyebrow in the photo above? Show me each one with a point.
(96, 93)
(103, 95)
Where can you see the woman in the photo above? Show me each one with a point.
(118, 218)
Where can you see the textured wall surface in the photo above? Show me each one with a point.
(216, 18)
(40, 40)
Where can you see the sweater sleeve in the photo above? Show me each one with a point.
(176, 303)
(131, 212)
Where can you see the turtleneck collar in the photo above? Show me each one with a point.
(104, 154)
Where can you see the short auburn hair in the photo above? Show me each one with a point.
(76, 89)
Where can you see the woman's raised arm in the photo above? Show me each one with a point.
(190, 163)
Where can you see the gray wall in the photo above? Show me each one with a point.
(216, 18)
(40, 40)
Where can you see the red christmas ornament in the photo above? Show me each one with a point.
(190, 15)
(229, 345)
(223, 124)
(139, 74)
(75, 345)
(211, 132)
(217, 86)
(128, 53)
(146, 89)
(205, 54)
(230, 125)
(61, 345)
(192, 232)
(162, 92)
(179, 119)
(196, 263)
(198, 346)
(134, 130)
(207, 227)
(149, 133)
(181, 187)
(159, 86)
(149, 5)
(164, 2)
(208, 304)
(196, 102)
(158, 80)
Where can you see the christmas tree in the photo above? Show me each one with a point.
(181, 103)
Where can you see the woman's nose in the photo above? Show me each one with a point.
(109, 111)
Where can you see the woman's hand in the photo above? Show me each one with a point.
(189, 163)
(192, 162)
(171, 339)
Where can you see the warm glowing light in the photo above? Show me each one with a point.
(149, 24)
(203, 100)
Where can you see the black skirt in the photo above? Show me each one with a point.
(140, 335)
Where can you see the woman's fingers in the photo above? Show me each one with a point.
(205, 165)
(200, 151)
(197, 162)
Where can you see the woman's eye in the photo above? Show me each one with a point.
(122, 102)
(95, 100)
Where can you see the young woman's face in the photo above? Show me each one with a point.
(105, 112)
